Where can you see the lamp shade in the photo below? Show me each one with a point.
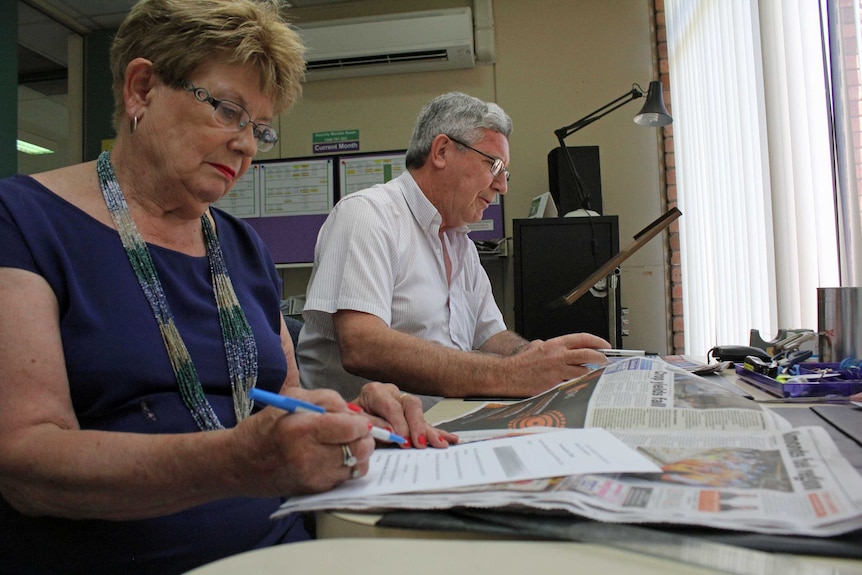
(653, 113)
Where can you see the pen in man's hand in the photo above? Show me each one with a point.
(292, 405)
(622, 352)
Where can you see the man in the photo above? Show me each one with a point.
(397, 293)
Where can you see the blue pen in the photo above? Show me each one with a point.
(292, 405)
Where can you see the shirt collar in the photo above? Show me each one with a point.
(424, 212)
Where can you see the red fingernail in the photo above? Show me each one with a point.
(370, 425)
(423, 441)
(408, 443)
(354, 407)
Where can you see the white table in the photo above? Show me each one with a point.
(382, 556)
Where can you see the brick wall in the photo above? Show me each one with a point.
(668, 186)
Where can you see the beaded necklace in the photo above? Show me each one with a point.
(239, 343)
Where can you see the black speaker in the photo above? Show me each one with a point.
(552, 256)
(561, 184)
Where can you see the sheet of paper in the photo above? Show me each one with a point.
(515, 458)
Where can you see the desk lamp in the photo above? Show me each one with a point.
(653, 114)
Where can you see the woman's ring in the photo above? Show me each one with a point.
(347, 458)
(403, 395)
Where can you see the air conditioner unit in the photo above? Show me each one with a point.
(393, 44)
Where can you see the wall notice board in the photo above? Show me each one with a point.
(287, 201)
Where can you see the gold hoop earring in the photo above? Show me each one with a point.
(133, 125)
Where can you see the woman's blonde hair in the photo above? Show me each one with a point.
(178, 36)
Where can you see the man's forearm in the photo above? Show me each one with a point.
(420, 366)
(504, 343)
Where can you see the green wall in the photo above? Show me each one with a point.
(98, 98)
(8, 87)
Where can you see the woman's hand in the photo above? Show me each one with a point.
(297, 453)
(389, 407)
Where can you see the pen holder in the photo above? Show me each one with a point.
(845, 383)
(756, 340)
(839, 316)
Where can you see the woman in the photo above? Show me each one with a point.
(136, 319)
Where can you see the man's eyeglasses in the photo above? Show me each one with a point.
(232, 115)
(497, 166)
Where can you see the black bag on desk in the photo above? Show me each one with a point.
(555, 527)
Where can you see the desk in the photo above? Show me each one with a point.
(377, 556)
(348, 525)
(351, 542)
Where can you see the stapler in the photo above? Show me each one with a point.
(757, 365)
(737, 353)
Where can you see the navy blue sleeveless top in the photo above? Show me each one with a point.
(120, 378)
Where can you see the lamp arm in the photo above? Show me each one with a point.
(584, 196)
(567, 131)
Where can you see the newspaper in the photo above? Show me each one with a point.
(726, 462)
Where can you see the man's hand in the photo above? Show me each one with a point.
(541, 365)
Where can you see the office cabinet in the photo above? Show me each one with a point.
(551, 257)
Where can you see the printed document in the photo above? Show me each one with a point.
(512, 458)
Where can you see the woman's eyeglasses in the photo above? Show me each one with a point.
(232, 115)
(497, 166)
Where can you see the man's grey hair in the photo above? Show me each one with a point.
(458, 115)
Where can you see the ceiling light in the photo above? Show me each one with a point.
(29, 148)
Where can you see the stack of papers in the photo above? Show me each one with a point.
(638, 441)
(505, 459)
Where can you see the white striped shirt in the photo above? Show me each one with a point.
(379, 252)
